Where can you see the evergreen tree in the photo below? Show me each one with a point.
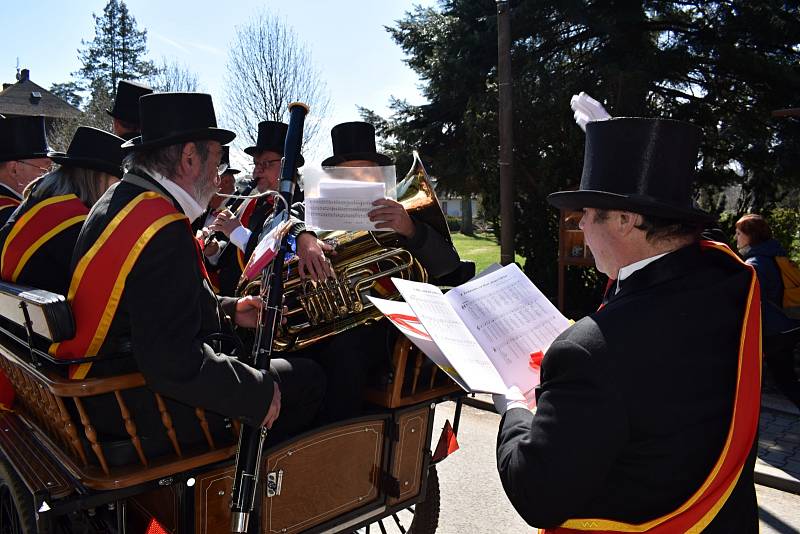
(117, 50)
(721, 65)
(70, 92)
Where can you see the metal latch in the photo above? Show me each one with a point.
(274, 482)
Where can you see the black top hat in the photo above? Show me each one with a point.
(172, 118)
(354, 140)
(641, 165)
(126, 104)
(272, 137)
(226, 158)
(22, 138)
(93, 149)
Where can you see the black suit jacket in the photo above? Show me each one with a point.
(636, 401)
(49, 267)
(6, 212)
(167, 310)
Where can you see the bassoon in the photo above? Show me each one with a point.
(251, 439)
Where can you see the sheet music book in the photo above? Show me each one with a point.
(481, 333)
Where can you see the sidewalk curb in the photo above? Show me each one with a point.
(763, 475)
(772, 477)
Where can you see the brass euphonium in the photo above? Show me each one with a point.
(363, 265)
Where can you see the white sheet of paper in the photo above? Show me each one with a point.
(402, 316)
(343, 205)
(451, 335)
(510, 318)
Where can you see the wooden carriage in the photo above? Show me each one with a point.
(59, 474)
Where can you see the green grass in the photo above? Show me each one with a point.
(482, 249)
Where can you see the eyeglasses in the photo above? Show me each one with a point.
(266, 164)
(221, 168)
(44, 169)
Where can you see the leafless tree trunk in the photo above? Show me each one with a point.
(467, 228)
(268, 68)
(172, 77)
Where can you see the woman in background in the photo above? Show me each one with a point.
(780, 333)
(37, 242)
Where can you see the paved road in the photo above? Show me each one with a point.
(473, 500)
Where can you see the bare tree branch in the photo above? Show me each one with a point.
(172, 77)
(267, 69)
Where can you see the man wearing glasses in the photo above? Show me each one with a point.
(243, 224)
(165, 311)
(23, 157)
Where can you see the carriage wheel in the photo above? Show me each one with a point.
(16, 504)
(422, 518)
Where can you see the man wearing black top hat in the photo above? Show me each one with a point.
(126, 108)
(350, 357)
(647, 411)
(242, 222)
(39, 252)
(167, 310)
(23, 157)
(354, 146)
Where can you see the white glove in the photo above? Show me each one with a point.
(512, 399)
(587, 109)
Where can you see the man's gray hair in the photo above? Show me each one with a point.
(163, 160)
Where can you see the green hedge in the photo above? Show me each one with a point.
(453, 223)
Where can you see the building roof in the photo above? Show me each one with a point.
(27, 98)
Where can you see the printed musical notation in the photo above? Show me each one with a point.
(343, 205)
(451, 335)
(488, 327)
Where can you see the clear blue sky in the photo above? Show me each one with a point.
(346, 39)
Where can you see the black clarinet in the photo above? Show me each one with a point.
(251, 439)
(232, 205)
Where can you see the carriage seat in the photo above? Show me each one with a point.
(55, 406)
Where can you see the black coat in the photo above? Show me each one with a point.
(49, 267)
(636, 401)
(6, 211)
(166, 310)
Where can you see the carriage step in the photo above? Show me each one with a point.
(40, 473)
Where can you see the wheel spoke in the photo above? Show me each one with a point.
(380, 524)
(399, 524)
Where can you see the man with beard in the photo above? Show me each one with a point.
(165, 310)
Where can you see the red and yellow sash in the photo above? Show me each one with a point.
(35, 227)
(99, 277)
(701, 508)
(7, 202)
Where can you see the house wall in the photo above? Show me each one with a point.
(452, 206)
